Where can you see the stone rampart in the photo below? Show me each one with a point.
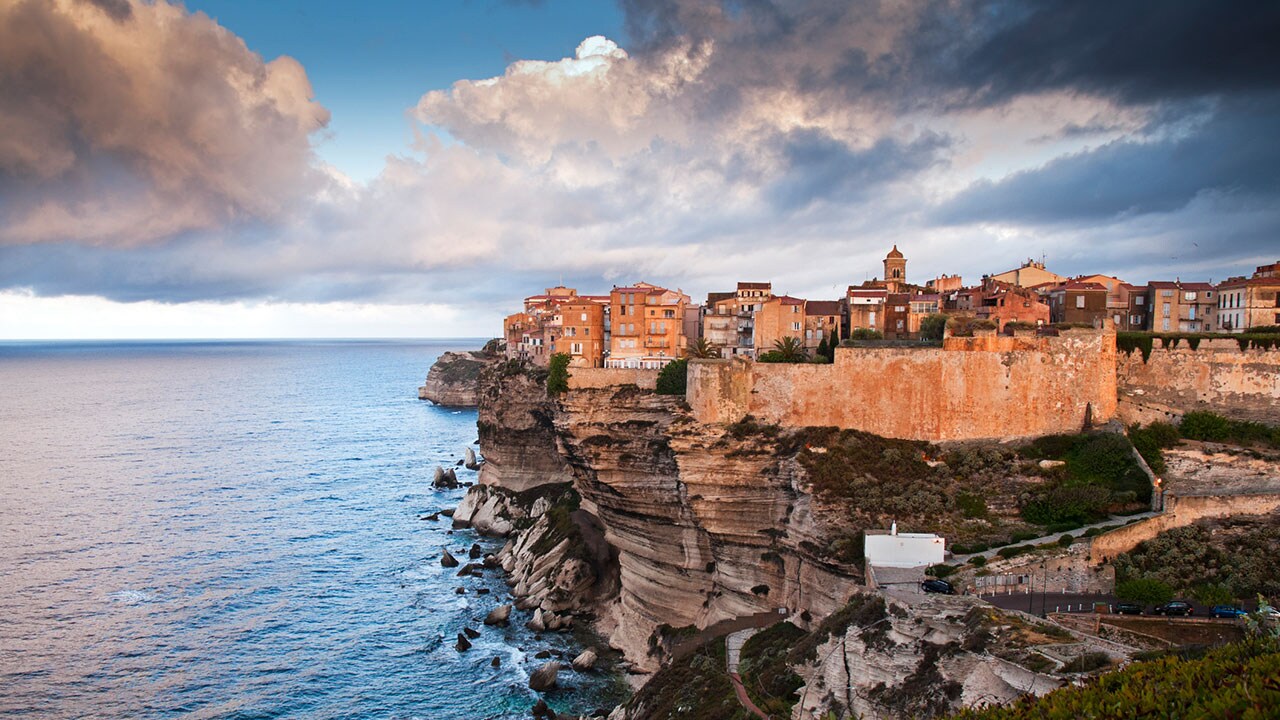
(1179, 511)
(583, 378)
(1216, 376)
(991, 387)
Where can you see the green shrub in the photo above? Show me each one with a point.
(971, 505)
(965, 325)
(1145, 591)
(1066, 541)
(932, 326)
(558, 374)
(1023, 536)
(1151, 440)
(978, 561)
(1014, 551)
(1214, 428)
(866, 334)
(941, 570)
(1087, 662)
(673, 378)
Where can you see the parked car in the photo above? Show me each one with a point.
(1177, 608)
(1128, 609)
(938, 586)
(1228, 611)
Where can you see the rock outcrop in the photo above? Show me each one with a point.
(453, 381)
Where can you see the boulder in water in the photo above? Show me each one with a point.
(495, 662)
(470, 460)
(463, 643)
(544, 678)
(473, 634)
(447, 560)
(585, 661)
(475, 551)
(498, 616)
(444, 479)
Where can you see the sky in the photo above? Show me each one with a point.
(315, 168)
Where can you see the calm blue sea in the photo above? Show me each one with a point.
(232, 530)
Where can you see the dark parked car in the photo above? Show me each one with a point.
(1228, 611)
(1177, 608)
(937, 586)
(1128, 609)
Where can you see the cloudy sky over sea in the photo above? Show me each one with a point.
(307, 167)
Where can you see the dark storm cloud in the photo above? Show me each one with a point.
(817, 167)
(1235, 152)
(1138, 51)
(980, 51)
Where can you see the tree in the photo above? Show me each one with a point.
(702, 350)
(1145, 591)
(826, 350)
(931, 327)
(673, 379)
(789, 349)
(866, 334)
(558, 374)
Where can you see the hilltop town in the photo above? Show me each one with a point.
(646, 326)
(1006, 477)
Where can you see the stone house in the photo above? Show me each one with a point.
(1247, 303)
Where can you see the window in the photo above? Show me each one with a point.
(1139, 300)
(1189, 296)
(1079, 301)
(575, 348)
(795, 326)
(1164, 324)
(1166, 293)
(584, 317)
(1164, 311)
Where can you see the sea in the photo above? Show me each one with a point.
(236, 530)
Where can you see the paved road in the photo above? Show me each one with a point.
(1041, 603)
(1113, 520)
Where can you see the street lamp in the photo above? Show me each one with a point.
(1044, 587)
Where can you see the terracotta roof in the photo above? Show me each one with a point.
(864, 293)
(754, 286)
(1179, 285)
(788, 300)
(894, 253)
(822, 307)
(1086, 286)
(1242, 281)
(715, 297)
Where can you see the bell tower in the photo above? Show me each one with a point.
(895, 270)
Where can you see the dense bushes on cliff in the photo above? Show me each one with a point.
(1151, 441)
(1100, 474)
(1214, 428)
(1237, 554)
(1236, 681)
(695, 687)
(766, 674)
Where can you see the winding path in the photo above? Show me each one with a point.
(733, 650)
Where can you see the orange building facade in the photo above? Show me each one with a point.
(647, 326)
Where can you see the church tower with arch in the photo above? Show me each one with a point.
(895, 270)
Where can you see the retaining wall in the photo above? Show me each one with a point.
(1217, 376)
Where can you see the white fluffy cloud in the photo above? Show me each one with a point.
(129, 123)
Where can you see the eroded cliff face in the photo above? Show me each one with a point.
(706, 527)
(517, 429)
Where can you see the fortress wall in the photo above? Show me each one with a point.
(580, 378)
(1217, 376)
(972, 388)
